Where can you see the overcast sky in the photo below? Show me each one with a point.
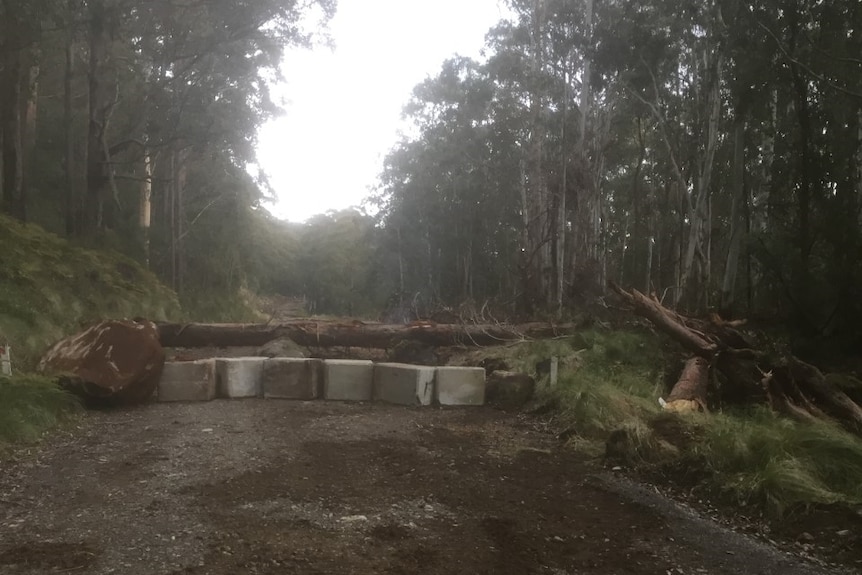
(343, 105)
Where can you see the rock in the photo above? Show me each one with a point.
(282, 347)
(508, 389)
(112, 362)
(618, 447)
(492, 364)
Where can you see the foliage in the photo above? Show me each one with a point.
(614, 383)
(147, 110)
(335, 264)
(759, 457)
(31, 405)
(708, 153)
(50, 288)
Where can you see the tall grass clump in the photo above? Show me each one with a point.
(31, 405)
(758, 457)
(608, 380)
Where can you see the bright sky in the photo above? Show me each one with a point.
(343, 106)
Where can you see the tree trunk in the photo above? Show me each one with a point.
(100, 106)
(689, 393)
(737, 220)
(70, 197)
(560, 238)
(29, 113)
(698, 209)
(539, 229)
(858, 173)
(356, 334)
(12, 99)
(804, 178)
(145, 208)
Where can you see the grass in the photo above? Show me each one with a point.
(607, 397)
(221, 307)
(756, 457)
(607, 380)
(50, 288)
(31, 405)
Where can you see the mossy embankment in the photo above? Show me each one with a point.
(50, 288)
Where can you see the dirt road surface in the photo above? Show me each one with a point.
(272, 487)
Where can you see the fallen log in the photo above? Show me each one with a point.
(312, 333)
(689, 392)
(787, 384)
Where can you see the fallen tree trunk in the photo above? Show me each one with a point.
(689, 393)
(355, 334)
(790, 386)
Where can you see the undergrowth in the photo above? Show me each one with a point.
(607, 397)
(31, 405)
(235, 306)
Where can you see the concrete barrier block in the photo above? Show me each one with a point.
(348, 379)
(460, 385)
(239, 377)
(292, 378)
(403, 384)
(188, 381)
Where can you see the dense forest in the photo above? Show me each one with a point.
(707, 152)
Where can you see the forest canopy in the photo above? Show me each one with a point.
(707, 152)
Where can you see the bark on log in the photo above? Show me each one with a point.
(812, 384)
(689, 393)
(669, 322)
(356, 334)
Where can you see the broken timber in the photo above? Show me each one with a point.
(312, 333)
(787, 384)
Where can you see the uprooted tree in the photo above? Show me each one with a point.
(746, 375)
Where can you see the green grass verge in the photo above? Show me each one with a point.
(31, 405)
(608, 391)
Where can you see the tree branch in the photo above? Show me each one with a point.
(806, 68)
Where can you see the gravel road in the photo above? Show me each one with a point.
(278, 487)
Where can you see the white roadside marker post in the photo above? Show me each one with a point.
(555, 366)
(5, 359)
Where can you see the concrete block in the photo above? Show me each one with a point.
(188, 381)
(403, 384)
(239, 377)
(460, 385)
(292, 378)
(348, 379)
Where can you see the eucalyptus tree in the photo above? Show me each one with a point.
(447, 202)
(148, 115)
(20, 58)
